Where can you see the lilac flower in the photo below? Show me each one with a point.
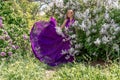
(106, 15)
(78, 46)
(59, 31)
(25, 36)
(77, 14)
(116, 47)
(73, 36)
(64, 52)
(71, 50)
(2, 54)
(13, 46)
(7, 37)
(97, 42)
(67, 57)
(103, 31)
(94, 31)
(105, 39)
(10, 42)
(10, 53)
(2, 37)
(59, 3)
(83, 26)
(85, 1)
(7, 47)
(1, 25)
(75, 23)
(5, 32)
(17, 47)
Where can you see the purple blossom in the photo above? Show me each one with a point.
(10, 53)
(1, 25)
(7, 37)
(2, 37)
(10, 42)
(5, 32)
(17, 47)
(2, 54)
(13, 46)
(25, 36)
(7, 47)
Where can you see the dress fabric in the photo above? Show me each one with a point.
(49, 43)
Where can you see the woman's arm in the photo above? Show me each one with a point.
(63, 25)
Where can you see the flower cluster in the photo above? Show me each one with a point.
(6, 44)
(9, 41)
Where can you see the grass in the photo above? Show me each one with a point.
(81, 71)
(29, 68)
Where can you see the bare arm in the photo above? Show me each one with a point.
(63, 25)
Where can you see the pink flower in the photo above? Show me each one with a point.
(5, 32)
(10, 42)
(2, 54)
(25, 36)
(1, 25)
(13, 46)
(2, 37)
(10, 53)
(7, 37)
(17, 47)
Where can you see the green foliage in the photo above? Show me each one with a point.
(29, 68)
(82, 72)
(18, 17)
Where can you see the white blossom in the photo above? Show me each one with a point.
(51, 4)
(94, 30)
(78, 46)
(83, 26)
(64, 52)
(103, 31)
(85, 1)
(75, 23)
(97, 42)
(88, 39)
(71, 50)
(88, 33)
(59, 3)
(116, 47)
(107, 15)
(59, 31)
(73, 36)
(67, 57)
(77, 14)
(105, 39)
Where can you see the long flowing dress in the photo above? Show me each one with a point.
(49, 43)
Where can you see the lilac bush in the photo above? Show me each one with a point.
(15, 28)
(97, 28)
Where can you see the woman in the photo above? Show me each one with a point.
(49, 43)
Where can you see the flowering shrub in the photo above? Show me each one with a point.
(14, 30)
(97, 27)
(7, 47)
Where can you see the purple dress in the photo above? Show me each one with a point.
(47, 45)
